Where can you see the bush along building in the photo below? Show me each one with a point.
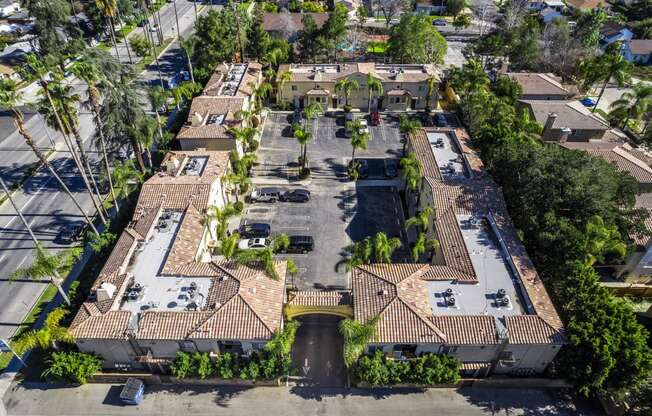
(477, 297)
(162, 291)
(404, 87)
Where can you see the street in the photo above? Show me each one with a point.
(44, 206)
(103, 399)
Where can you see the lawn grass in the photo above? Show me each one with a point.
(377, 47)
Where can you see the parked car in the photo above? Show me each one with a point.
(252, 243)
(255, 230)
(185, 75)
(391, 168)
(348, 117)
(71, 232)
(374, 118)
(265, 195)
(439, 22)
(440, 120)
(300, 244)
(365, 126)
(363, 168)
(296, 195)
(132, 392)
(296, 116)
(588, 102)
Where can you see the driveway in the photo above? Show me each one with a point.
(317, 352)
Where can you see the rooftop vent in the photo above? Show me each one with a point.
(382, 292)
(105, 291)
(450, 301)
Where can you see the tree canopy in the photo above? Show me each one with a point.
(415, 40)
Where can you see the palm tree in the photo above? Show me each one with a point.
(411, 171)
(188, 45)
(158, 97)
(144, 134)
(260, 95)
(374, 87)
(221, 216)
(282, 79)
(49, 336)
(311, 112)
(603, 241)
(62, 116)
(241, 181)
(109, 8)
(241, 165)
(408, 127)
(359, 253)
(45, 266)
(126, 177)
(229, 245)
(347, 86)
(303, 137)
(356, 337)
(384, 247)
(358, 139)
(419, 247)
(264, 257)
(432, 83)
(613, 65)
(86, 68)
(10, 99)
(244, 135)
(421, 220)
(633, 104)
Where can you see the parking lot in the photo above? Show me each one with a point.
(340, 211)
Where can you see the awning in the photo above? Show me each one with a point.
(317, 92)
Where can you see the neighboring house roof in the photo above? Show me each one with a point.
(539, 83)
(611, 28)
(644, 201)
(290, 23)
(622, 155)
(548, 12)
(640, 46)
(586, 4)
(570, 114)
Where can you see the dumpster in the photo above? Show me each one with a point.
(133, 391)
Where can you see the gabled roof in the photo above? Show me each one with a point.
(539, 84)
(587, 4)
(640, 46)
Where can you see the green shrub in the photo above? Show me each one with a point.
(182, 366)
(202, 364)
(140, 45)
(72, 366)
(427, 369)
(238, 206)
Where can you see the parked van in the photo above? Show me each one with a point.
(300, 244)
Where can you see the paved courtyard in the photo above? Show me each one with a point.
(340, 211)
(103, 399)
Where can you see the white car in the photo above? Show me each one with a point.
(365, 126)
(252, 243)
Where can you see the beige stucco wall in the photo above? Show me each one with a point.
(112, 351)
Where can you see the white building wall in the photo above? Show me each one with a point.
(112, 351)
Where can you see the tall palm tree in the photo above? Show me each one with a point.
(221, 216)
(603, 241)
(282, 79)
(384, 247)
(188, 45)
(419, 247)
(303, 137)
(10, 99)
(634, 104)
(126, 177)
(264, 257)
(229, 245)
(408, 127)
(109, 8)
(311, 112)
(144, 133)
(49, 336)
(241, 181)
(260, 95)
(346, 86)
(356, 337)
(613, 65)
(421, 220)
(374, 87)
(62, 116)
(358, 141)
(359, 253)
(87, 69)
(243, 135)
(411, 171)
(432, 83)
(158, 97)
(45, 266)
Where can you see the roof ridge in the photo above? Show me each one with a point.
(420, 270)
(622, 152)
(427, 321)
(253, 310)
(209, 315)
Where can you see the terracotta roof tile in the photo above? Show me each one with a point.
(531, 329)
(110, 325)
(319, 298)
(468, 329)
(169, 325)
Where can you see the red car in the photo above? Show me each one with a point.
(375, 118)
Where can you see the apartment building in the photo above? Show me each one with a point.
(480, 298)
(229, 91)
(161, 289)
(405, 87)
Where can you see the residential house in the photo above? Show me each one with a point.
(612, 31)
(586, 5)
(229, 91)
(541, 86)
(480, 298)
(405, 87)
(431, 7)
(548, 14)
(565, 120)
(638, 51)
(289, 26)
(613, 148)
(558, 5)
(536, 5)
(161, 291)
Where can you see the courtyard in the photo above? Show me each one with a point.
(340, 211)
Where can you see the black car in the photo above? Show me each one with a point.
(71, 232)
(296, 195)
(296, 116)
(255, 230)
(300, 244)
(391, 168)
(440, 120)
(363, 168)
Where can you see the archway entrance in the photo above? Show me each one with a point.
(317, 351)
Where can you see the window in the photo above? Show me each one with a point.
(373, 348)
(448, 349)
(187, 346)
(294, 88)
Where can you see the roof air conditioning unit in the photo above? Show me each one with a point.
(501, 293)
(450, 301)
(504, 301)
(449, 292)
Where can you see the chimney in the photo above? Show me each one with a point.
(550, 121)
(196, 119)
